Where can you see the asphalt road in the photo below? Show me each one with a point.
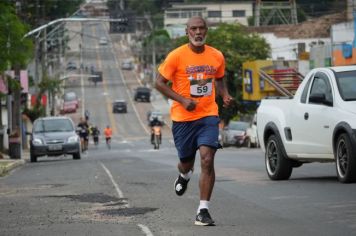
(128, 190)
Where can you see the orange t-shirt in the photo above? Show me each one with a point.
(108, 132)
(193, 76)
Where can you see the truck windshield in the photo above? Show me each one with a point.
(346, 82)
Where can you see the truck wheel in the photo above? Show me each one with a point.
(33, 158)
(345, 159)
(277, 165)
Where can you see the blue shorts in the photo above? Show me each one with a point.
(190, 135)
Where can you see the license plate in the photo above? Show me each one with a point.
(55, 147)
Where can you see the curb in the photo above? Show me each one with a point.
(5, 169)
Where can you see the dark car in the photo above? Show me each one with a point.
(142, 94)
(96, 76)
(119, 106)
(71, 65)
(54, 136)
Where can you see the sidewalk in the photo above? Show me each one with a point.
(7, 164)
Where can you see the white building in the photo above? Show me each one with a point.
(176, 17)
(287, 48)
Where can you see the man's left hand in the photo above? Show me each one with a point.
(228, 100)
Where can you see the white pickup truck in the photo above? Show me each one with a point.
(317, 124)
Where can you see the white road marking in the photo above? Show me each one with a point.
(145, 229)
(116, 186)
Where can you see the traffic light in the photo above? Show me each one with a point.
(126, 22)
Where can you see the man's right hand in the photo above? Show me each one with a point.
(189, 104)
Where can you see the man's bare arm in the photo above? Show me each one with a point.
(221, 89)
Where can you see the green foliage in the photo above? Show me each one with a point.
(237, 46)
(13, 84)
(47, 10)
(50, 85)
(163, 45)
(35, 112)
(14, 49)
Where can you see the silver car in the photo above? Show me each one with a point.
(234, 133)
(54, 136)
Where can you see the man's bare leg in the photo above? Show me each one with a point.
(207, 176)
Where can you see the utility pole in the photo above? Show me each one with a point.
(15, 135)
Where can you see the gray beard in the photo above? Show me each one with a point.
(197, 43)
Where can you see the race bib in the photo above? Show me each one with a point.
(201, 87)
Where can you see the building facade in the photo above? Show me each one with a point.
(177, 15)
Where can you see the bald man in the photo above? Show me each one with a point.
(196, 72)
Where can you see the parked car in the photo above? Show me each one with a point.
(142, 94)
(119, 106)
(251, 133)
(54, 136)
(70, 103)
(68, 107)
(127, 65)
(71, 97)
(234, 133)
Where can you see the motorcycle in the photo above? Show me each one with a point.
(156, 140)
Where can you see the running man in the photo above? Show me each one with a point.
(84, 134)
(196, 72)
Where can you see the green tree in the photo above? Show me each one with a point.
(36, 12)
(48, 85)
(162, 42)
(14, 49)
(237, 46)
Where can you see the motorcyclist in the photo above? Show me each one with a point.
(155, 122)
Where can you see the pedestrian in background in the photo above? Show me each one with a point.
(196, 73)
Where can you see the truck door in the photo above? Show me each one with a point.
(316, 117)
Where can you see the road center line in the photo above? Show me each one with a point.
(108, 101)
(115, 53)
(116, 186)
(145, 229)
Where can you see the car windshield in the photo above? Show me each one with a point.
(347, 85)
(143, 89)
(55, 125)
(238, 125)
(70, 97)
